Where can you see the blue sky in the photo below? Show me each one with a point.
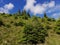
(35, 7)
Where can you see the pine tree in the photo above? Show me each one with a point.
(28, 14)
(19, 12)
(23, 12)
(25, 15)
(45, 15)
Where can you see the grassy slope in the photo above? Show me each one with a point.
(13, 35)
(52, 39)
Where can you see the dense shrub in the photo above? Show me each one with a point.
(25, 17)
(10, 14)
(11, 22)
(57, 27)
(1, 23)
(34, 34)
(7, 25)
(19, 24)
(16, 17)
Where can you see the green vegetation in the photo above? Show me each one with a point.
(21, 29)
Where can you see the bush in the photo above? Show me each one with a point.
(57, 27)
(7, 25)
(11, 22)
(34, 34)
(19, 24)
(1, 23)
(25, 17)
(16, 17)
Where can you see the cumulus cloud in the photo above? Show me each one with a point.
(38, 8)
(9, 6)
(51, 4)
(56, 8)
(6, 8)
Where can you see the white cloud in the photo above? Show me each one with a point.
(56, 15)
(6, 8)
(29, 4)
(56, 8)
(51, 4)
(9, 6)
(2, 10)
(38, 8)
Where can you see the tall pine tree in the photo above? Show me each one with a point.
(45, 15)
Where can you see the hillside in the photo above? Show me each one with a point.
(20, 28)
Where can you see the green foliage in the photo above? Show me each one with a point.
(11, 22)
(25, 17)
(1, 22)
(10, 14)
(45, 15)
(57, 27)
(21, 28)
(16, 17)
(19, 24)
(18, 13)
(3, 14)
(7, 25)
(34, 33)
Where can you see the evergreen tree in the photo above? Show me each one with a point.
(23, 12)
(19, 12)
(28, 14)
(45, 15)
(25, 15)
